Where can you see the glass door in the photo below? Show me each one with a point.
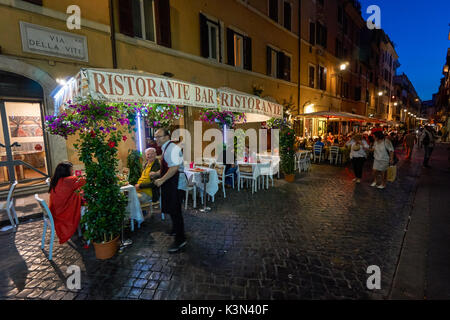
(22, 145)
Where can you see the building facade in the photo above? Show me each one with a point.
(249, 46)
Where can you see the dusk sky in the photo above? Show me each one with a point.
(419, 29)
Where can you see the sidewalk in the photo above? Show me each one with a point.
(424, 265)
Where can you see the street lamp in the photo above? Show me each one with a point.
(343, 66)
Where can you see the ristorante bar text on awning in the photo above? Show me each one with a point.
(135, 86)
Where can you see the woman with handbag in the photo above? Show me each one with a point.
(358, 148)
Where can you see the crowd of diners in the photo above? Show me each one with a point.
(394, 135)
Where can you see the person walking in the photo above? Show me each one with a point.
(383, 153)
(427, 139)
(409, 142)
(358, 148)
(171, 186)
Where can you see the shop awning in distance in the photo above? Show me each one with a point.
(335, 114)
(137, 86)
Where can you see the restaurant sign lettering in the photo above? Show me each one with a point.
(129, 86)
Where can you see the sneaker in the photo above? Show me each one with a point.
(176, 246)
(374, 184)
(358, 180)
(381, 187)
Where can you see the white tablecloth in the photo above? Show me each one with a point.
(212, 186)
(133, 207)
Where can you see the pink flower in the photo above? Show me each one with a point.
(124, 138)
(111, 144)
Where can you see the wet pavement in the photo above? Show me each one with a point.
(311, 239)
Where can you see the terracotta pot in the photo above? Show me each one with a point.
(106, 250)
(289, 177)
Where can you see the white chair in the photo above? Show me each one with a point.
(335, 155)
(265, 172)
(221, 174)
(48, 221)
(190, 186)
(8, 206)
(249, 173)
(317, 152)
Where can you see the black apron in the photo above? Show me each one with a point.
(169, 189)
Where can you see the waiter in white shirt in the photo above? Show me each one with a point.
(169, 181)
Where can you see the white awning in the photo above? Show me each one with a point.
(136, 86)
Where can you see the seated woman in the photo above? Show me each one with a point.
(65, 200)
(335, 142)
(147, 191)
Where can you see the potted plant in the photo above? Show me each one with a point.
(97, 125)
(287, 150)
(287, 146)
(134, 165)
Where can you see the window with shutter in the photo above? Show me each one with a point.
(137, 18)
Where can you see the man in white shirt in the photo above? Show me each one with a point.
(170, 183)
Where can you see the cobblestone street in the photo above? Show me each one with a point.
(312, 239)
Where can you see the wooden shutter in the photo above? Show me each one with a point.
(37, 2)
(204, 40)
(230, 47)
(126, 17)
(273, 10)
(286, 68)
(312, 33)
(247, 53)
(269, 60)
(162, 19)
(280, 65)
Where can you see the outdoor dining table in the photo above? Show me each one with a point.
(206, 180)
(133, 207)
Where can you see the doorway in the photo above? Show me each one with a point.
(23, 149)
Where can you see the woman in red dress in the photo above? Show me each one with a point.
(65, 200)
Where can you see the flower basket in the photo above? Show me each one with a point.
(222, 118)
